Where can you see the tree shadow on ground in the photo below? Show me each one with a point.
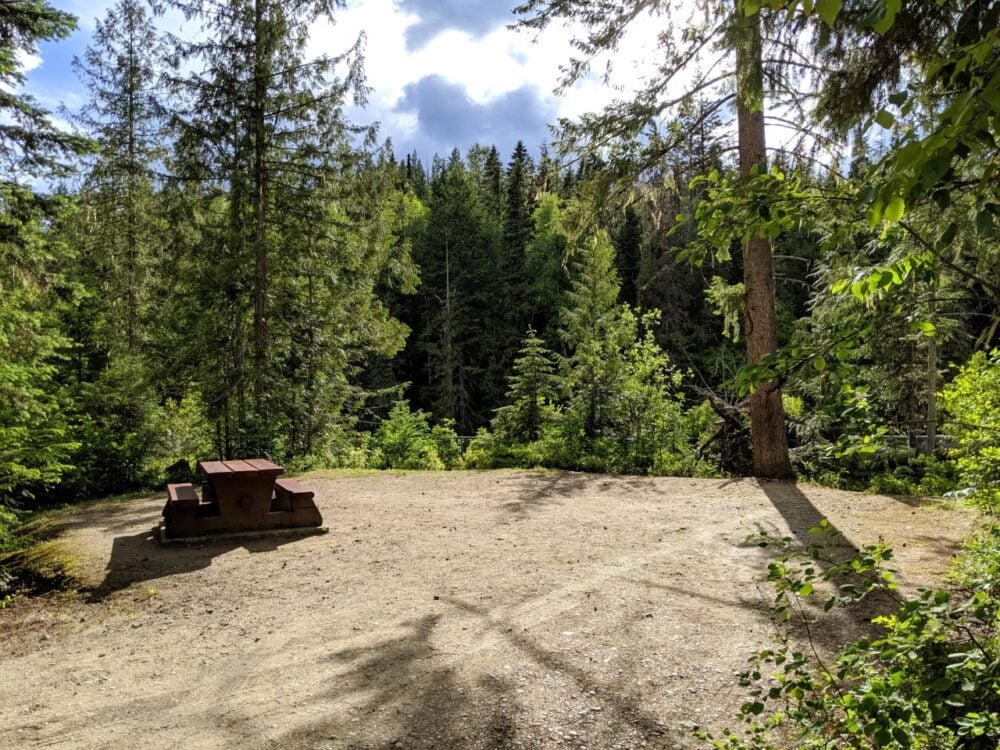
(622, 708)
(403, 693)
(737, 602)
(542, 491)
(400, 696)
(803, 521)
(139, 557)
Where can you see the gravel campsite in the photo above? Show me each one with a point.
(441, 610)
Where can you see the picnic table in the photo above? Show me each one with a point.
(238, 496)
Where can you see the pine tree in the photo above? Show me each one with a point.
(30, 145)
(459, 254)
(35, 443)
(289, 220)
(628, 251)
(547, 279)
(591, 329)
(518, 227)
(533, 385)
(121, 70)
(733, 33)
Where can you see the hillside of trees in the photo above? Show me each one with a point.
(219, 264)
(216, 262)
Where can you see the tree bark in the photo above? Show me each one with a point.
(767, 414)
(260, 178)
(932, 376)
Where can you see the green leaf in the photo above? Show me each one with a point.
(805, 590)
(894, 210)
(819, 364)
(828, 10)
(946, 237)
(750, 7)
(984, 223)
(942, 198)
(925, 327)
(882, 737)
(885, 119)
(889, 16)
(898, 98)
(875, 213)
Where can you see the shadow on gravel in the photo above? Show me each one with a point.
(838, 626)
(736, 602)
(398, 698)
(549, 489)
(620, 707)
(136, 558)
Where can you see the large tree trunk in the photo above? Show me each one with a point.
(260, 179)
(767, 414)
(932, 376)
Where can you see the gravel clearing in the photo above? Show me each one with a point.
(443, 610)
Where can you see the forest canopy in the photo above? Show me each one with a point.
(772, 257)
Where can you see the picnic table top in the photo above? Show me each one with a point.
(251, 467)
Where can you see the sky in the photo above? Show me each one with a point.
(442, 73)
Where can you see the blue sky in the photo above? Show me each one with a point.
(444, 73)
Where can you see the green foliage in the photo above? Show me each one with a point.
(972, 401)
(406, 440)
(533, 388)
(491, 451)
(931, 680)
(35, 437)
(978, 564)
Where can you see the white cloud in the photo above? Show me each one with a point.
(487, 66)
(27, 61)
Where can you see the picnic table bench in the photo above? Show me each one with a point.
(238, 496)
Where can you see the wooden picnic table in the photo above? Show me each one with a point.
(242, 489)
(238, 496)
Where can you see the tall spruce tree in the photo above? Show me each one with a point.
(590, 326)
(622, 131)
(35, 443)
(122, 71)
(267, 171)
(459, 332)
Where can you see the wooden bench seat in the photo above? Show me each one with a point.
(182, 496)
(292, 494)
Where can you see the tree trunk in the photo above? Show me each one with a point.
(767, 414)
(932, 376)
(260, 180)
(131, 181)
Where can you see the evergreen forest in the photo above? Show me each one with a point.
(772, 260)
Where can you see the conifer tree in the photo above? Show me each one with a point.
(35, 443)
(121, 70)
(732, 31)
(289, 217)
(591, 328)
(533, 384)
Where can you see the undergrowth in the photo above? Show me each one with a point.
(930, 679)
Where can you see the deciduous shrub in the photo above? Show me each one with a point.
(931, 680)
(406, 440)
(972, 403)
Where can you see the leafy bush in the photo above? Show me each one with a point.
(931, 681)
(978, 563)
(449, 450)
(406, 440)
(972, 401)
(184, 433)
(490, 451)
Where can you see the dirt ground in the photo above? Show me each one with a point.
(443, 610)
